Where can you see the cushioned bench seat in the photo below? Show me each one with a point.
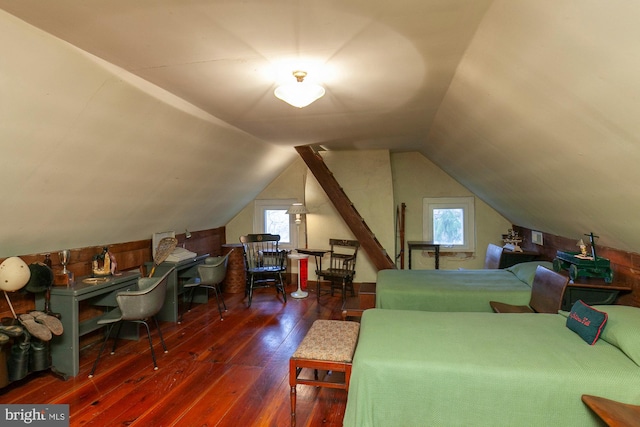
(329, 345)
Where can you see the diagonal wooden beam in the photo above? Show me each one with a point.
(368, 242)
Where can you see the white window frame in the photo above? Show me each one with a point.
(260, 206)
(467, 204)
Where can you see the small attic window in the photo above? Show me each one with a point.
(271, 217)
(450, 221)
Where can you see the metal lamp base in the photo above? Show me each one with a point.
(299, 294)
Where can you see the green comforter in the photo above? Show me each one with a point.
(449, 290)
(414, 368)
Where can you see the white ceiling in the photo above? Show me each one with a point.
(386, 65)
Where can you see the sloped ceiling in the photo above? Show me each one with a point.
(531, 104)
(541, 119)
(385, 64)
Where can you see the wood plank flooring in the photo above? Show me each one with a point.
(216, 373)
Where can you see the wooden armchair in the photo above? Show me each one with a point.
(342, 267)
(264, 263)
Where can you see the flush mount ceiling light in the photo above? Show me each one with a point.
(299, 94)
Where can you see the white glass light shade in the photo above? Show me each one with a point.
(300, 93)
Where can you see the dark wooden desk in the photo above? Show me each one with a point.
(65, 349)
(424, 245)
(318, 254)
(615, 414)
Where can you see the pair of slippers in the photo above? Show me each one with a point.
(41, 325)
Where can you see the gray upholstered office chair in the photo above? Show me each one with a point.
(137, 306)
(210, 275)
(264, 263)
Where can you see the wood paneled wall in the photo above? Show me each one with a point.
(129, 256)
(625, 265)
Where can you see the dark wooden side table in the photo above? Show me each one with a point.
(592, 294)
(510, 258)
(615, 414)
(422, 246)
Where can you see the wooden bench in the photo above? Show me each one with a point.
(329, 345)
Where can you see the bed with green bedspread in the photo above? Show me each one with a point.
(455, 290)
(416, 368)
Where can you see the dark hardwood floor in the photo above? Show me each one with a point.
(216, 373)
